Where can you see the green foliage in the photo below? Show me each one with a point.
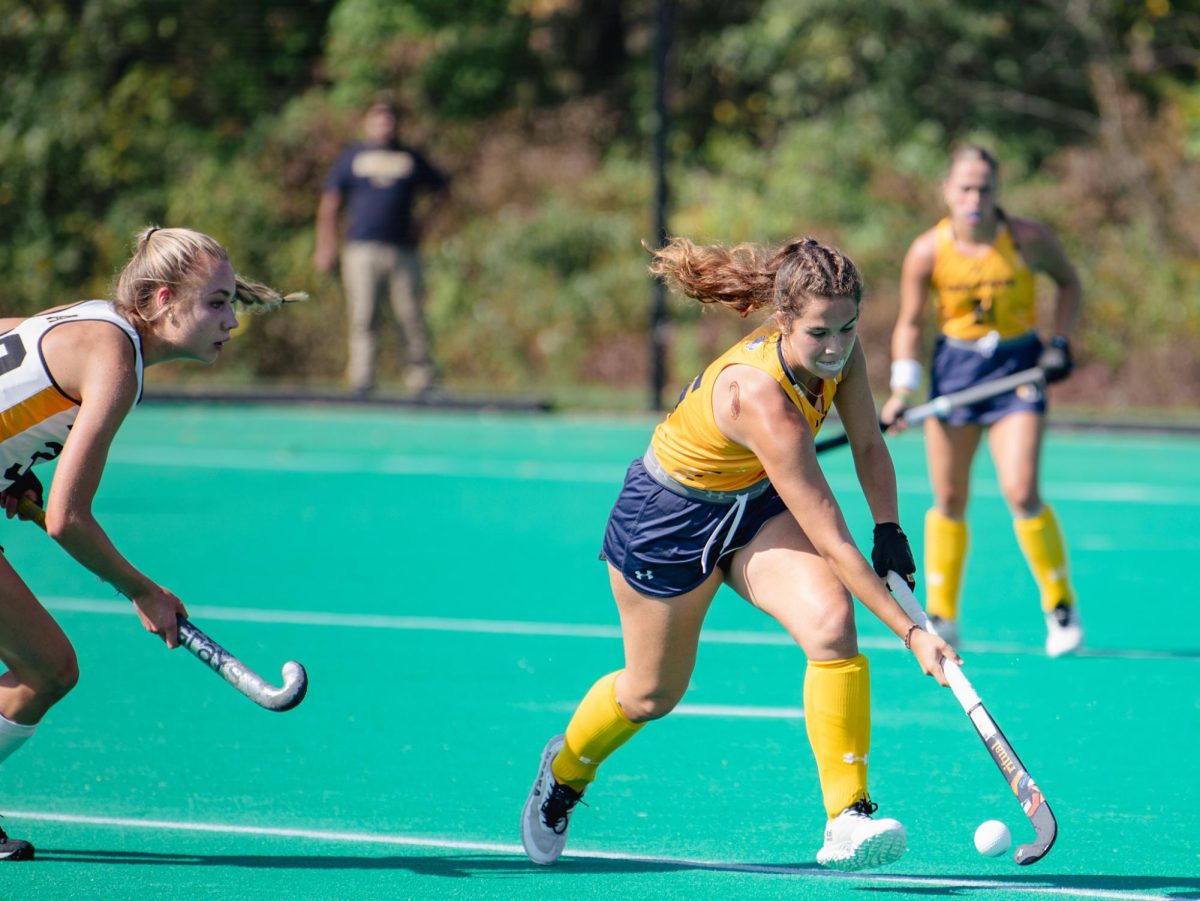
(821, 117)
(481, 70)
(519, 298)
(107, 103)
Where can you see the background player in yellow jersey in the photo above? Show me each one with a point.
(68, 377)
(730, 491)
(980, 265)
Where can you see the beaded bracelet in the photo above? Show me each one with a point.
(908, 637)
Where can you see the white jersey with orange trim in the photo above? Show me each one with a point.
(35, 413)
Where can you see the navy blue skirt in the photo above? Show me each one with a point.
(665, 543)
(957, 366)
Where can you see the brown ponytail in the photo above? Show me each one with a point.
(748, 277)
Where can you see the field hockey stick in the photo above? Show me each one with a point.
(1033, 802)
(228, 667)
(941, 407)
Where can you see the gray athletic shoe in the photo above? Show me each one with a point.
(547, 810)
(14, 848)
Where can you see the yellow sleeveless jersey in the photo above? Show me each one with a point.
(689, 445)
(979, 295)
(35, 414)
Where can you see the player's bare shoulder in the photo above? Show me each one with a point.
(922, 251)
(743, 398)
(1037, 244)
(73, 350)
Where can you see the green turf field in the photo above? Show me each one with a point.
(437, 575)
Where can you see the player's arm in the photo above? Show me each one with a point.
(95, 363)
(1043, 253)
(872, 461)
(890, 549)
(906, 373)
(326, 253)
(762, 418)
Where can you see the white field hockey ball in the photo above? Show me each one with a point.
(992, 838)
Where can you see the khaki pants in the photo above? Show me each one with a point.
(368, 268)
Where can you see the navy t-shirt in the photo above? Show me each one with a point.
(377, 184)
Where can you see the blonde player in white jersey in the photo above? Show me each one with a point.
(68, 377)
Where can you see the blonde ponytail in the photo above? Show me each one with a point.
(177, 258)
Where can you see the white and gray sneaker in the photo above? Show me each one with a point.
(1064, 631)
(547, 810)
(945, 629)
(855, 841)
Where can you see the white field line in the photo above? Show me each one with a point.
(526, 470)
(800, 871)
(116, 607)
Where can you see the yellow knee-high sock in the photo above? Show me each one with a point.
(598, 728)
(945, 555)
(837, 714)
(1041, 542)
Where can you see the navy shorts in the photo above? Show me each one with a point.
(956, 367)
(665, 543)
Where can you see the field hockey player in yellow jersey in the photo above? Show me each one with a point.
(730, 491)
(68, 377)
(980, 265)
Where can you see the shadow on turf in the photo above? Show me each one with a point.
(466, 866)
(456, 866)
(1139, 653)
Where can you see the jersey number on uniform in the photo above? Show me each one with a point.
(12, 353)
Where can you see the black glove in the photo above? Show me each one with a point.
(27, 481)
(891, 551)
(1055, 360)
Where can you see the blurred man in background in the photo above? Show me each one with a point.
(377, 180)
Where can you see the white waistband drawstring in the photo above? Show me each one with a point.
(736, 510)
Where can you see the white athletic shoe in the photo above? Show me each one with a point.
(946, 629)
(854, 841)
(547, 810)
(1064, 631)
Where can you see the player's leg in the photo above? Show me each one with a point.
(361, 279)
(41, 668)
(950, 451)
(41, 664)
(1015, 442)
(781, 573)
(660, 636)
(407, 286)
